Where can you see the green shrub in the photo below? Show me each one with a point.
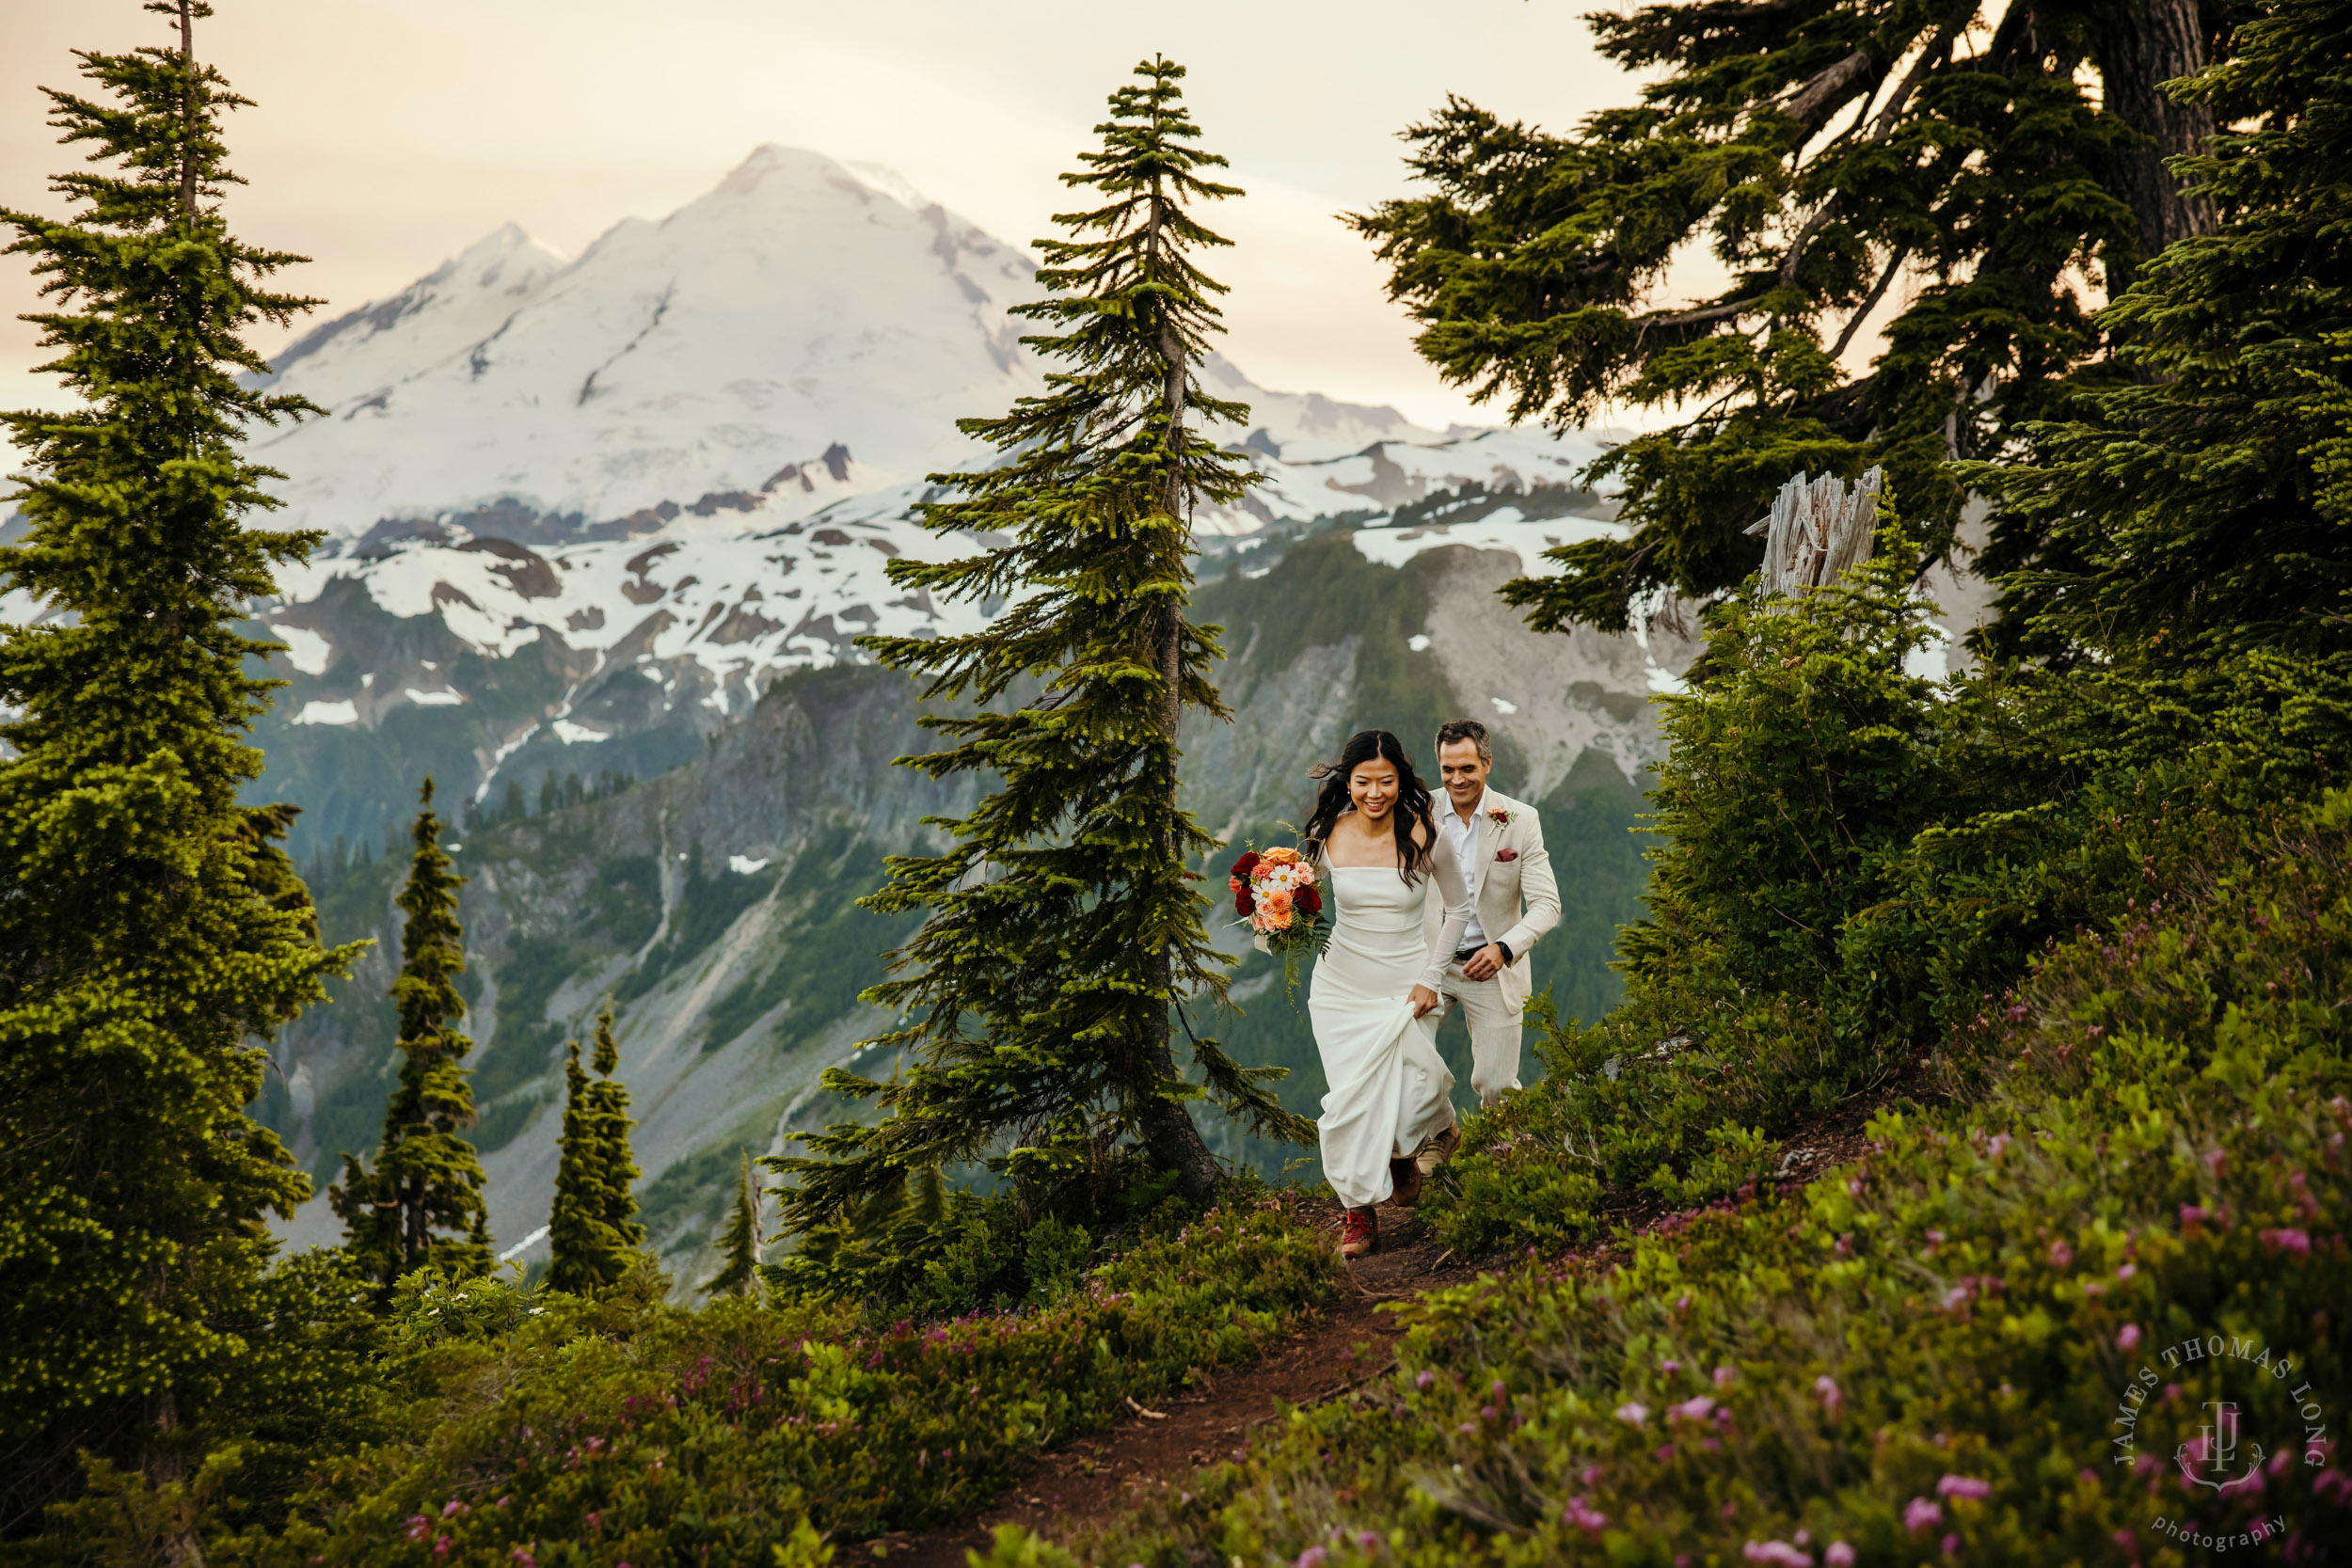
(550, 1430)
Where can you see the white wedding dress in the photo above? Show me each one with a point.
(1389, 1087)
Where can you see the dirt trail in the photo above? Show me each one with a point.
(1096, 1477)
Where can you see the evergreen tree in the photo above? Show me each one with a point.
(1971, 160)
(151, 928)
(1063, 933)
(740, 1245)
(592, 1231)
(2206, 505)
(422, 1205)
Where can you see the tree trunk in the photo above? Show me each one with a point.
(181, 1546)
(2141, 45)
(1168, 1128)
(188, 99)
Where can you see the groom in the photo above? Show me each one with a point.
(1499, 846)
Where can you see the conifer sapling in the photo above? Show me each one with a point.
(422, 1205)
(592, 1232)
(740, 1244)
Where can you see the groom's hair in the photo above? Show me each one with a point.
(1465, 729)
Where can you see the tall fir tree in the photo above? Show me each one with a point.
(592, 1231)
(421, 1206)
(1063, 936)
(1973, 162)
(2204, 506)
(151, 928)
(739, 1245)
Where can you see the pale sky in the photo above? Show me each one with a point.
(388, 138)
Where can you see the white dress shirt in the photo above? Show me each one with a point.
(1462, 838)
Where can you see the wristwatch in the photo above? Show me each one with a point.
(1508, 956)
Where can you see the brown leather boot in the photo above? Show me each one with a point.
(1405, 1181)
(1436, 1149)
(1359, 1234)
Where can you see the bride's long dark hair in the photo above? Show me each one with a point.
(1413, 800)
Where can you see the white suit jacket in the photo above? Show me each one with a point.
(1511, 877)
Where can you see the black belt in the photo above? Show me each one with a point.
(1463, 955)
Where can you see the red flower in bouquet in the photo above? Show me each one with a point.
(1244, 901)
(1307, 901)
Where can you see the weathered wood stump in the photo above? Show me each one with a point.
(1817, 528)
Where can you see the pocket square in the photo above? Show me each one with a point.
(1506, 854)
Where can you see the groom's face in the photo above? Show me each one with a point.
(1463, 773)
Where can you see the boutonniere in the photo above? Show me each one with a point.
(1502, 818)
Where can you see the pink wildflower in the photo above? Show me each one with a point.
(1826, 1387)
(2296, 1242)
(1963, 1487)
(2061, 1255)
(1696, 1409)
(1725, 1377)
(1919, 1513)
(1776, 1551)
(1632, 1414)
(1839, 1555)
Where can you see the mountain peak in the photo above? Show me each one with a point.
(773, 167)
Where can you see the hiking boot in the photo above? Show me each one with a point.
(1436, 1151)
(1404, 1181)
(1359, 1234)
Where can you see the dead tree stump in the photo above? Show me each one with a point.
(1817, 528)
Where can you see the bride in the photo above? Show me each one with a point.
(1374, 999)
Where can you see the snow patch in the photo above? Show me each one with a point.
(1503, 529)
(577, 735)
(743, 866)
(317, 712)
(305, 650)
(431, 699)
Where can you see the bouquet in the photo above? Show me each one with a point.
(1274, 895)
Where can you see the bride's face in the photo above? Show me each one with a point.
(1372, 785)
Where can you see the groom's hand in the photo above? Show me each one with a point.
(1424, 1001)
(1485, 964)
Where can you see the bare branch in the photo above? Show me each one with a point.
(1812, 101)
(1870, 301)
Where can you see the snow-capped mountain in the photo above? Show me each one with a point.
(580, 513)
(800, 334)
(724, 350)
